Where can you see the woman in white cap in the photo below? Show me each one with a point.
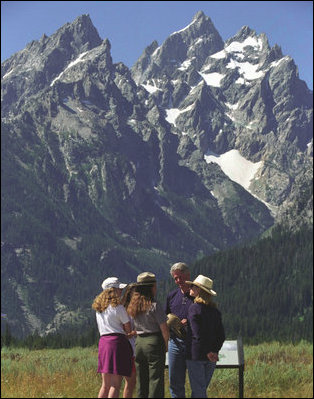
(205, 335)
(114, 349)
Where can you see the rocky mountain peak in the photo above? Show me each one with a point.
(202, 145)
(201, 28)
(80, 34)
(201, 25)
(151, 48)
(199, 16)
(246, 35)
(244, 32)
(43, 60)
(192, 44)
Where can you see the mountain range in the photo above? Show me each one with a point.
(202, 145)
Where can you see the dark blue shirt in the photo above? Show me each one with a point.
(178, 303)
(205, 331)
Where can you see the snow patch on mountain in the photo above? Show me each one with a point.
(76, 61)
(235, 166)
(212, 79)
(185, 65)
(239, 170)
(151, 88)
(246, 69)
(173, 113)
(250, 41)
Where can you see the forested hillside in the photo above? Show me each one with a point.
(265, 293)
(265, 290)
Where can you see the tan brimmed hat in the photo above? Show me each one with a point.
(146, 278)
(203, 282)
(175, 325)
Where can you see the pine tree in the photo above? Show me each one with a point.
(7, 338)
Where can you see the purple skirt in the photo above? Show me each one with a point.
(115, 355)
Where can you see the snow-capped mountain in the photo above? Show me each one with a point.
(240, 97)
(203, 144)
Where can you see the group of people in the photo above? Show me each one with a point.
(136, 331)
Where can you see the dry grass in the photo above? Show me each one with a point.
(272, 370)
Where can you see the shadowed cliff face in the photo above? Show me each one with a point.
(110, 171)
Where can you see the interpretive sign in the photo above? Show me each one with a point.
(231, 355)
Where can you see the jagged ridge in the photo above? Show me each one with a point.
(105, 168)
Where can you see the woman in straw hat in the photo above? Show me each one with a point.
(205, 335)
(152, 337)
(114, 348)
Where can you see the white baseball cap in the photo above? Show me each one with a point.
(112, 282)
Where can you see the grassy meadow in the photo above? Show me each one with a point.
(272, 370)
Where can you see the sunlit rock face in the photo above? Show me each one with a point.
(107, 170)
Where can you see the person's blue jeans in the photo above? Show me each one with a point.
(200, 374)
(177, 367)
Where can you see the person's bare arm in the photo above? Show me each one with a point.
(132, 334)
(165, 333)
(212, 356)
(127, 328)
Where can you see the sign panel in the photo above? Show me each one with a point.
(228, 355)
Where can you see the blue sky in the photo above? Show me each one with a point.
(132, 25)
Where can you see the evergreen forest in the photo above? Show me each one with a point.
(264, 292)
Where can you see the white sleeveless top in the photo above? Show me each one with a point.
(112, 320)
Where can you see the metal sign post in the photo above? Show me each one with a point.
(231, 356)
